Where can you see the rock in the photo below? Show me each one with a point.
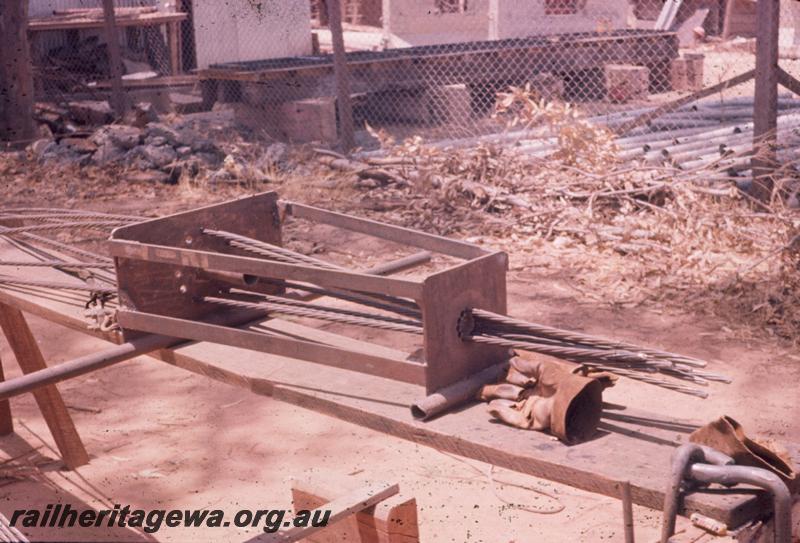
(44, 131)
(148, 176)
(125, 137)
(141, 115)
(220, 176)
(162, 130)
(55, 152)
(274, 156)
(203, 145)
(183, 151)
(80, 145)
(211, 159)
(39, 147)
(158, 156)
(91, 112)
(156, 141)
(108, 153)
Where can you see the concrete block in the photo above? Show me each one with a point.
(308, 120)
(625, 82)
(686, 73)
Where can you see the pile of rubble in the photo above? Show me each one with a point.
(144, 143)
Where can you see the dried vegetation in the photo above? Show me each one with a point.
(624, 233)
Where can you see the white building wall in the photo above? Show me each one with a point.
(234, 30)
(417, 22)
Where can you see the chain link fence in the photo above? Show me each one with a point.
(436, 69)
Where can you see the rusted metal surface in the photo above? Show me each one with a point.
(174, 270)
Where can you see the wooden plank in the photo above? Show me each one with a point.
(30, 359)
(329, 355)
(146, 19)
(394, 520)
(397, 234)
(16, 77)
(631, 445)
(339, 508)
(765, 121)
(6, 422)
(404, 288)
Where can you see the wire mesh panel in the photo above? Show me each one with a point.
(443, 70)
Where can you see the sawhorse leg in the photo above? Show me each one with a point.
(52, 406)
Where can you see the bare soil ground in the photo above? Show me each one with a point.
(164, 438)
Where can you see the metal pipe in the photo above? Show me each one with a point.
(682, 458)
(761, 478)
(456, 394)
(109, 357)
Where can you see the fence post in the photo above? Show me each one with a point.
(114, 58)
(346, 129)
(765, 106)
(16, 78)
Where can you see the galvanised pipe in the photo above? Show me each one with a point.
(682, 458)
(761, 478)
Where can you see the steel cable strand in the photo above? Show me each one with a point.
(282, 254)
(88, 225)
(633, 371)
(330, 309)
(316, 314)
(575, 337)
(350, 297)
(573, 353)
(66, 212)
(74, 251)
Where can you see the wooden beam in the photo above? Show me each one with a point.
(6, 423)
(682, 101)
(765, 106)
(394, 520)
(346, 127)
(55, 413)
(788, 81)
(339, 509)
(114, 58)
(16, 79)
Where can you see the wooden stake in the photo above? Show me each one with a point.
(345, 107)
(30, 359)
(114, 58)
(6, 424)
(765, 110)
(16, 79)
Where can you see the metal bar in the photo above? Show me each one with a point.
(397, 234)
(265, 268)
(399, 370)
(108, 357)
(759, 477)
(342, 76)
